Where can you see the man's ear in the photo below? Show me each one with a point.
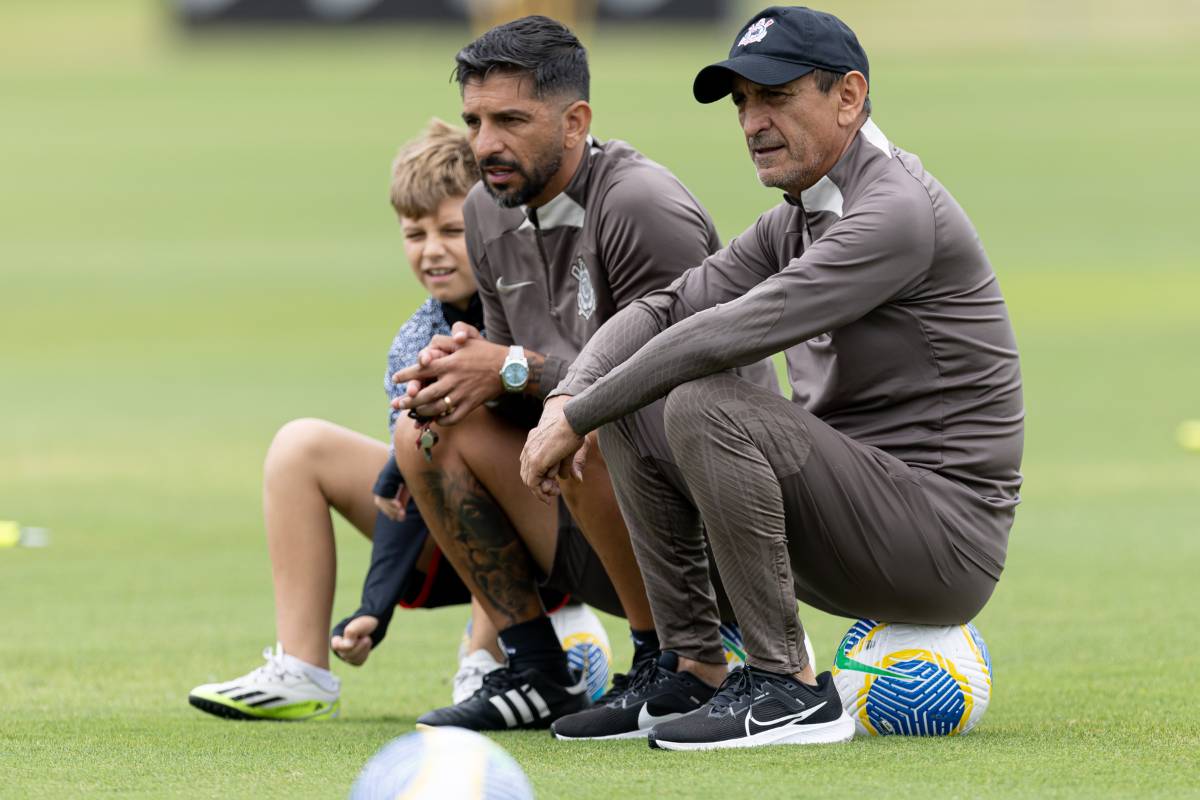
(577, 121)
(852, 93)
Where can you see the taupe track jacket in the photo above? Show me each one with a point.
(550, 277)
(876, 284)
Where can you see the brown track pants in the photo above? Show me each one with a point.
(793, 509)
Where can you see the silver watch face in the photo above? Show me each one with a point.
(515, 375)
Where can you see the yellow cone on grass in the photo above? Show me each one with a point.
(10, 533)
(1189, 435)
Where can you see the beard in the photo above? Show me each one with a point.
(533, 180)
(793, 174)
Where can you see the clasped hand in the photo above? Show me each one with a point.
(553, 451)
(453, 376)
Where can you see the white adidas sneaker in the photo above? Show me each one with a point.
(471, 669)
(283, 689)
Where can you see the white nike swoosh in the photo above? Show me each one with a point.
(501, 286)
(646, 720)
(775, 723)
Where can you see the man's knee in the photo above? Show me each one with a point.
(635, 437)
(688, 412)
(452, 440)
(714, 410)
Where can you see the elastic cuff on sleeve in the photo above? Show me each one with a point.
(390, 479)
(377, 635)
(553, 370)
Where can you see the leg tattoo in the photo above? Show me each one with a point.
(494, 558)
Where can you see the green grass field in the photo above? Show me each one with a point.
(195, 247)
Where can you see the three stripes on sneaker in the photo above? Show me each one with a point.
(516, 703)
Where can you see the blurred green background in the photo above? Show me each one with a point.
(196, 246)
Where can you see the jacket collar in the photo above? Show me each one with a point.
(827, 194)
(567, 207)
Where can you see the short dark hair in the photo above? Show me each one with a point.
(539, 46)
(825, 82)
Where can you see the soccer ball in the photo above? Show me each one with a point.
(438, 763)
(913, 680)
(586, 644)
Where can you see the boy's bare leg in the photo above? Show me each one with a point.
(311, 466)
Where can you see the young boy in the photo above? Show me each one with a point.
(313, 466)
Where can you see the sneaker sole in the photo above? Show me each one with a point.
(218, 709)
(642, 734)
(537, 725)
(833, 732)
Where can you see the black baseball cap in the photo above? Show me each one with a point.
(780, 44)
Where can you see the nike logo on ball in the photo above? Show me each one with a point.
(754, 726)
(843, 661)
(505, 288)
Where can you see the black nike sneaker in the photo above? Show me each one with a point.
(510, 700)
(754, 708)
(655, 692)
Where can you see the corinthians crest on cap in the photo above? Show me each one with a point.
(756, 32)
(587, 295)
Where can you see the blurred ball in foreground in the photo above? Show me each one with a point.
(441, 763)
(1189, 435)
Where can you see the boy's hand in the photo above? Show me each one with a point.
(354, 645)
(393, 507)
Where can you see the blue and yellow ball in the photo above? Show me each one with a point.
(913, 680)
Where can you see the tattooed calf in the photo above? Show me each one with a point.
(488, 552)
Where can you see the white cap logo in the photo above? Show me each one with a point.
(756, 32)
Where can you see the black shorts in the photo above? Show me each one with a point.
(576, 574)
(436, 587)
(577, 569)
(440, 586)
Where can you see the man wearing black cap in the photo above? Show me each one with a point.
(886, 488)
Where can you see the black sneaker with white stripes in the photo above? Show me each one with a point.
(754, 707)
(655, 692)
(509, 700)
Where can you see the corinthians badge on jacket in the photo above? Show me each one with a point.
(587, 295)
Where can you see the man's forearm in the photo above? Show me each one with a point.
(690, 348)
(615, 342)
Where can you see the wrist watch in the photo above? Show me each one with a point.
(515, 372)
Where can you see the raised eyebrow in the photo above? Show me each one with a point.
(511, 112)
